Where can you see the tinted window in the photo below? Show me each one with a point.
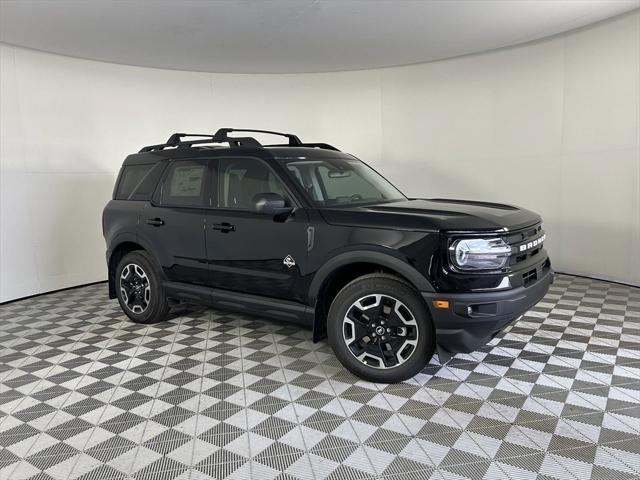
(240, 179)
(147, 185)
(184, 184)
(339, 184)
(130, 178)
(335, 182)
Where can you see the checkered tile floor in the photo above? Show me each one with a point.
(86, 394)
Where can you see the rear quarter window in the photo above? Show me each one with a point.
(130, 178)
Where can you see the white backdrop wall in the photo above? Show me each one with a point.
(553, 126)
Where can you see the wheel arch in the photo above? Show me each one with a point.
(125, 245)
(346, 267)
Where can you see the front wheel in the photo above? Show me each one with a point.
(139, 289)
(380, 329)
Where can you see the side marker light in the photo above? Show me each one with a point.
(443, 304)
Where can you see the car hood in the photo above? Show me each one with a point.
(434, 215)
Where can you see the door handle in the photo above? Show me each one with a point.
(224, 227)
(156, 222)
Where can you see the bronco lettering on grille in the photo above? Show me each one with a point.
(533, 244)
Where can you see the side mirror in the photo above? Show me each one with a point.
(270, 204)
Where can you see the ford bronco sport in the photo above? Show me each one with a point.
(305, 233)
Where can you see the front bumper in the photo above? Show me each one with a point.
(473, 319)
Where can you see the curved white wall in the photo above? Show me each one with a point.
(553, 126)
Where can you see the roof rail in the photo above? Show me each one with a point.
(221, 136)
(324, 146)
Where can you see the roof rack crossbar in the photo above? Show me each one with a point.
(232, 141)
(222, 136)
(176, 138)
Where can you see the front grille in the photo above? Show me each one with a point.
(529, 277)
(527, 238)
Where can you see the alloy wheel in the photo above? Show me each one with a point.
(380, 331)
(135, 288)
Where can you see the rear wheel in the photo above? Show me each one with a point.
(139, 289)
(380, 329)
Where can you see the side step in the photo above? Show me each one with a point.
(242, 302)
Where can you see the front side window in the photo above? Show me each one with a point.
(241, 179)
(184, 184)
(341, 182)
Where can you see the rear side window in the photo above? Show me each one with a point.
(130, 178)
(184, 184)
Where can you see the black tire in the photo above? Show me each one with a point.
(156, 308)
(419, 329)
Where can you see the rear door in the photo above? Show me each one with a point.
(250, 252)
(173, 223)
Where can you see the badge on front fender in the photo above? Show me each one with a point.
(289, 261)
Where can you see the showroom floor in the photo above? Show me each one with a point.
(84, 393)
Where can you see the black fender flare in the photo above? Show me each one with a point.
(419, 281)
(402, 267)
(119, 239)
(112, 245)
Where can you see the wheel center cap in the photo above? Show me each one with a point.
(379, 330)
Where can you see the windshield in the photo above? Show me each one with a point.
(341, 182)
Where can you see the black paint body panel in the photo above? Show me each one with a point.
(243, 268)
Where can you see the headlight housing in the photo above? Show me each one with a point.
(479, 253)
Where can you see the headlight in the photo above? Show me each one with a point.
(479, 253)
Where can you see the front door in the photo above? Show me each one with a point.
(173, 224)
(250, 252)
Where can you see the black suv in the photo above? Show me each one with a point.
(305, 233)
